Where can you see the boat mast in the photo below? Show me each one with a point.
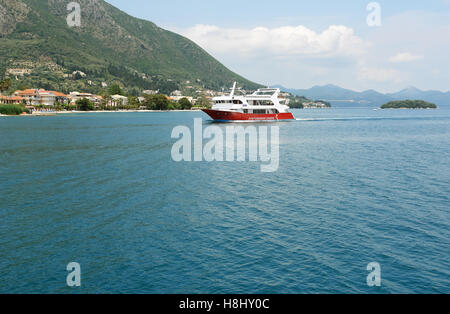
(233, 89)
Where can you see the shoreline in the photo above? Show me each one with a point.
(52, 114)
(125, 111)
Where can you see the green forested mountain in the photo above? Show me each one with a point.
(110, 46)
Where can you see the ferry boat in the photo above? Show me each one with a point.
(265, 104)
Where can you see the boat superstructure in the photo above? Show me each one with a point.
(265, 104)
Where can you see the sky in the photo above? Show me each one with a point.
(385, 45)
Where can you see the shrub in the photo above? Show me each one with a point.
(11, 110)
(85, 105)
(185, 104)
(156, 102)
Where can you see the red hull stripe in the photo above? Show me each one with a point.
(237, 116)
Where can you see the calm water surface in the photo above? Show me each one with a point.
(354, 186)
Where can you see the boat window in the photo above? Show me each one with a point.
(259, 111)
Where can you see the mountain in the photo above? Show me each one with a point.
(340, 97)
(437, 97)
(109, 46)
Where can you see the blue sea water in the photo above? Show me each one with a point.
(354, 186)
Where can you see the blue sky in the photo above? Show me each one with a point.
(300, 44)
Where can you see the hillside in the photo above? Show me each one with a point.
(109, 46)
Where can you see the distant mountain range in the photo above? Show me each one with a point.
(341, 97)
(109, 46)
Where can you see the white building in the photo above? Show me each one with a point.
(75, 96)
(150, 92)
(118, 100)
(176, 93)
(36, 97)
(18, 72)
(82, 74)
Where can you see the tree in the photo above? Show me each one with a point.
(133, 102)
(23, 86)
(185, 104)
(5, 85)
(106, 101)
(203, 102)
(409, 104)
(156, 102)
(85, 104)
(77, 76)
(58, 106)
(115, 90)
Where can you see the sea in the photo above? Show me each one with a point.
(354, 187)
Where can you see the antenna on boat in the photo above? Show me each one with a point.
(233, 89)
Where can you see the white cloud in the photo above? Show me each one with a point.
(336, 40)
(402, 52)
(404, 57)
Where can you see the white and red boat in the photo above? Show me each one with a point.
(263, 105)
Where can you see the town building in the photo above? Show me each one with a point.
(35, 97)
(49, 98)
(18, 72)
(8, 100)
(176, 93)
(75, 96)
(314, 105)
(118, 100)
(178, 98)
(150, 92)
(30, 96)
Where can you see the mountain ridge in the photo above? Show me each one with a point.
(339, 96)
(110, 45)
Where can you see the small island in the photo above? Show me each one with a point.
(409, 104)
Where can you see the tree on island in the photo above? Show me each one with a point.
(185, 104)
(84, 105)
(409, 104)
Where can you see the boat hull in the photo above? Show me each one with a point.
(218, 115)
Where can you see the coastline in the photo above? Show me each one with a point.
(52, 114)
(125, 111)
